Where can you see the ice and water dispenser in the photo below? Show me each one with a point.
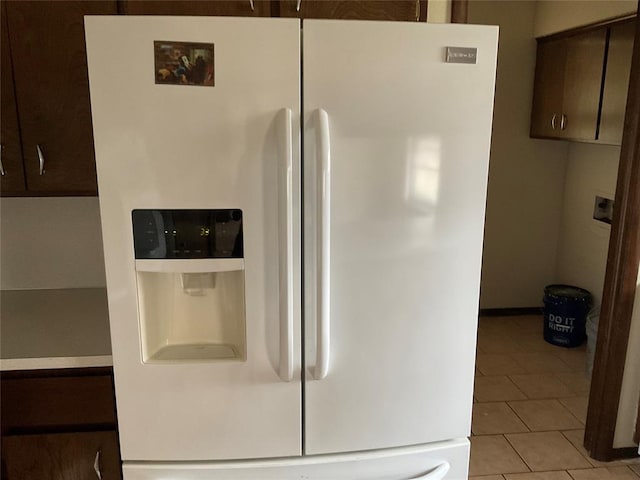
(190, 281)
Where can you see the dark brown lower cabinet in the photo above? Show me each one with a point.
(62, 456)
(59, 425)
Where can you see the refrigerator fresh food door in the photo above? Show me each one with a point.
(396, 149)
(440, 461)
(197, 127)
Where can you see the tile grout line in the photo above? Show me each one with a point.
(545, 398)
(569, 387)
(526, 338)
(519, 417)
(587, 458)
(570, 412)
(511, 381)
(518, 453)
(506, 403)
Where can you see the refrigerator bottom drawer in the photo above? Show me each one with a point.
(447, 460)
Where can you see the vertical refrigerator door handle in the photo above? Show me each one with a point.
(323, 333)
(285, 241)
(437, 473)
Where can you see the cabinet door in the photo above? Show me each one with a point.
(582, 85)
(616, 83)
(235, 8)
(11, 154)
(71, 402)
(52, 90)
(63, 456)
(400, 10)
(548, 86)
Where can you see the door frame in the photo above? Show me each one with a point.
(619, 285)
(459, 11)
(620, 278)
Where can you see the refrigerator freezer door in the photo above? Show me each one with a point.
(398, 201)
(441, 461)
(233, 145)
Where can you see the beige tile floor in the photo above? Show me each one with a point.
(530, 406)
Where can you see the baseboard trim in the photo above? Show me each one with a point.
(505, 312)
(624, 452)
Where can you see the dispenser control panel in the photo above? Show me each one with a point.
(187, 233)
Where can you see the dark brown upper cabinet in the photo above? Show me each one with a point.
(48, 56)
(568, 82)
(581, 84)
(616, 83)
(398, 10)
(11, 170)
(235, 8)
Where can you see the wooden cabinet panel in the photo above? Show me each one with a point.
(583, 84)
(54, 402)
(400, 10)
(63, 456)
(236, 8)
(52, 91)
(567, 86)
(549, 85)
(616, 83)
(12, 179)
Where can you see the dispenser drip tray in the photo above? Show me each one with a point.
(196, 352)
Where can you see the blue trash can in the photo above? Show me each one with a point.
(565, 313)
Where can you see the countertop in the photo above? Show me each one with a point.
(64, 328)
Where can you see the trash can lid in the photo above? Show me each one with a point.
(567, 291)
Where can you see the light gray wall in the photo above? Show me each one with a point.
(526, 176)
(592, 170)
(50, 243)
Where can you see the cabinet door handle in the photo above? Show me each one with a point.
(553, 121)
(253, 7)
(563, 121)
(96, 466)
(417, 10)
(298, 5)
(3, 172)
(40, 159)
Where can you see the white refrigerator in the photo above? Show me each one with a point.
(292, 217)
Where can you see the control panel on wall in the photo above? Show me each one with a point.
(603, 209)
